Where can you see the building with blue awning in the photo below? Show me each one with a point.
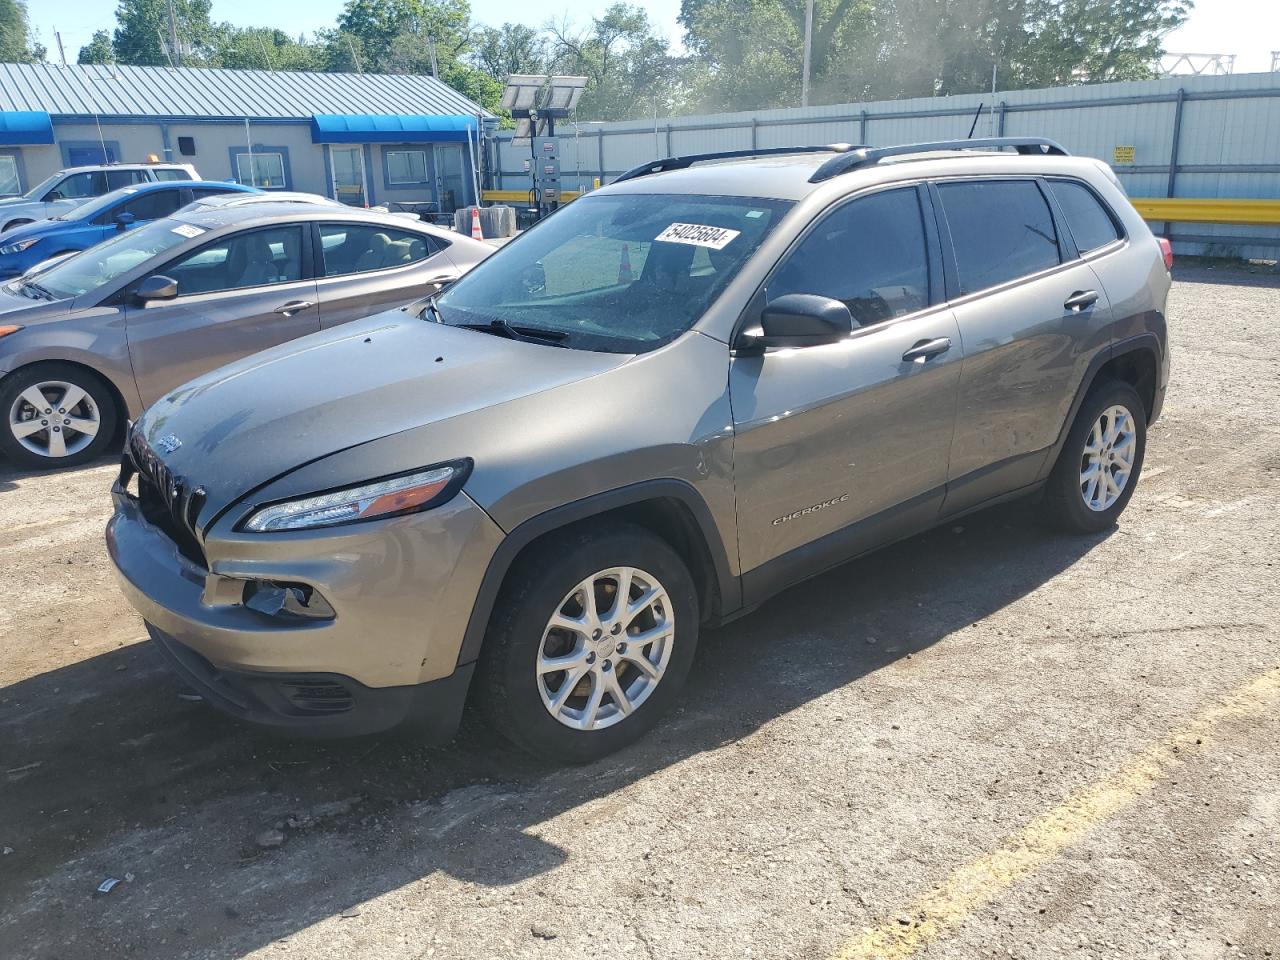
(365, 139)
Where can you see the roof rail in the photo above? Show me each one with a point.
(866, 156)
(680, 163)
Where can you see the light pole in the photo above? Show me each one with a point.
(808, 53)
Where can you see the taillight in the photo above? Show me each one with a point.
(1167, 249)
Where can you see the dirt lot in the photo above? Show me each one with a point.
(989, 740)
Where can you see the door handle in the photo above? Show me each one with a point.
(926, 350)
(441, 281)
(1080, 300)
(294, 306)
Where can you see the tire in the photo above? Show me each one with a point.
(517, 698)
(1078, 497)
(17, 223)
(50, 445)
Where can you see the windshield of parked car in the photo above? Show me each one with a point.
(623, 274)
(112, 258)
(43, 187)
(90, 209)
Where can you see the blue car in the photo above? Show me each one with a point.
(23, 247)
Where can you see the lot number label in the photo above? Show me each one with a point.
(699, 235)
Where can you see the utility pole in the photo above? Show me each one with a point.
(173, 37)
(808, 53)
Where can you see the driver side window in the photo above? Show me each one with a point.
(79, 186)
(871, 254)
(257, 258)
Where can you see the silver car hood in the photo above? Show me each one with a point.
(245, 424)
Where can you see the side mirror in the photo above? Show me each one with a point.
(125, 220)
(802, 320)
(156, 287)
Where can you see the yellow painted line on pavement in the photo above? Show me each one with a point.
(979, 882)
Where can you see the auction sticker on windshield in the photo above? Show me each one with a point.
(700, 235)
(187, 230)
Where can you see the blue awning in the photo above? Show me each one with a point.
(391, 128)
(22, 128)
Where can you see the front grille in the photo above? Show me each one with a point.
(317, 696)
(169, 502)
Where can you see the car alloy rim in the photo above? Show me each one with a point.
(605, 648)
(54, 419)
(1107, 461)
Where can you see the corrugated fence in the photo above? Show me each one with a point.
(1202, 138)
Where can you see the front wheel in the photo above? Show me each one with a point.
(590, 643)
(55, 415)
(17, 223)
(1099, 465)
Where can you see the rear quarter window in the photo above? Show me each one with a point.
(172, 174)
(1091, 224)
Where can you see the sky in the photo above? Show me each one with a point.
(1248, 28)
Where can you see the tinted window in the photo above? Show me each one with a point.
(123, 178)
(201, 192)
(1000, 229)
(255, 259)
(153, 205)
(358, 248)
(1090, 224)
(172, 174)
(78, 186)
(871, 254)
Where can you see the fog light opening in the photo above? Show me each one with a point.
(298, 601)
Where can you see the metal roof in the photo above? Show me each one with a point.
(199, 93)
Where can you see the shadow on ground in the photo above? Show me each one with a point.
(101, 760)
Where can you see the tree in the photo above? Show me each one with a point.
(626, 63)
(97, 50)
(143, 32)
(511, 48)
(16, 42)
(261, 48)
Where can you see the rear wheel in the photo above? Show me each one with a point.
(590, 643)
(1099, 465)
(55, 415)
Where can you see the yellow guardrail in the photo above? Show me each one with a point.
(521, 196)
(1189, 210)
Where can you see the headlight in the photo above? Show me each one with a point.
(20, 245)
(391, 497)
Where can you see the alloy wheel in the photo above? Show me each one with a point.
(1107, 460)
(54, 419)
(605, 648)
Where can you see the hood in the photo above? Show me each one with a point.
(15, 201)
(235, 429)
(38, 228)
(15, 308)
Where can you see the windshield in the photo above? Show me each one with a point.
(621, 274)
(43, 187)
(87, 211)
(111, 258)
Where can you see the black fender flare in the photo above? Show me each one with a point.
(729, 585)
(1145, 341)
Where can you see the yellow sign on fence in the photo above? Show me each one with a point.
(1123, 154)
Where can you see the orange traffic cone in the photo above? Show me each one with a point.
(624, 265)
(476, 232)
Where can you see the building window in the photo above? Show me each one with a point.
(264, 170)
(406, 166)
(9, 182)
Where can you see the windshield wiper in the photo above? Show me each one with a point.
(32, 285)
(548, 338)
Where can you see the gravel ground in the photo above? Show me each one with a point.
(986, 740)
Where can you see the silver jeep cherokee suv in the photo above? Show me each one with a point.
(674, 398)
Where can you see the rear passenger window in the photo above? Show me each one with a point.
(359, 248)
(870, 254)
(168, 173)
(1090, 224)
(1000, 229)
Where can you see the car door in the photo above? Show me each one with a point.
(237, 294)
(363, 268)
(841, 446)
(1031, 315)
